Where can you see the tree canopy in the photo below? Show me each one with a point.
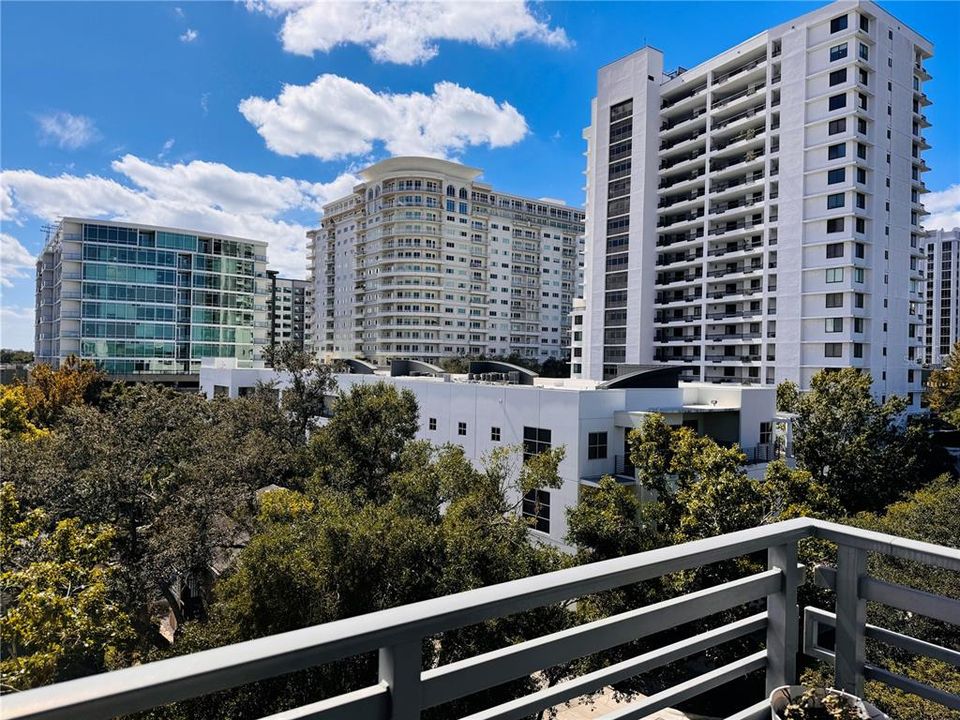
(867, 453)
(943, 389)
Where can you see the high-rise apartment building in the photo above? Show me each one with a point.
(943, 294)
(757, 217)
(149, 301)
(289, 305)
(425, 261)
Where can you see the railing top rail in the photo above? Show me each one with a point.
(904, 548)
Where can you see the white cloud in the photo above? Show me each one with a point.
(944, 208)
(189, 36)
(402, 31)
(197, 195)
(167, 147)
(69, 132)
(205, 103)
(178, 11)
(16, 327)
(553, 200)
(334, 117)
(16, 263)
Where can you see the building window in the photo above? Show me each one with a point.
(835, 201)
(432, 423)
(837, 101)
(836, 176)
(834, 275)
(834, 300)
(536, 507)
(861, 201)
(861, 176)
(865, 23)
(860, 250)
(858, 325)
(858, 275)
(834, 325)
(838, 76)
(836, 151)
(864, 52)
(766, 433)
(858, 299)
(838, 24)
(837, 126)
(495, 434)
(858, 350)
(535, 441)
(596, 446)
(860, 225)
(838, 52)
(835, 225)
(833, 350)
(835, 250)
(461, 428)
(861, 151)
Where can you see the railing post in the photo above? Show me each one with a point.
(850, 650)
(400, 667)
(782, 619)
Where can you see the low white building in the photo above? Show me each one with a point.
(482, 411)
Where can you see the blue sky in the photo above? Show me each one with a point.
(246, 117)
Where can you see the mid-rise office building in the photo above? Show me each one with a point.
(497, 405)
(423, 260)
(757, 218)
(289, 307)
(149, 301)
(943, 295)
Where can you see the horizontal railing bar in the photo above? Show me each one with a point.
(579, 686)
(691, 688)
(758, 711)
(902, 597)
(875, 632)
(923, 552)
(923, 603)
(895, 639)
(499, 666)
(166, 681)
(369, 703)
(913, 645)
(871, 672)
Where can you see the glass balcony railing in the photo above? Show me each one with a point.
(405, 687)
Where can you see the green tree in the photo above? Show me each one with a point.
(943, 389)
(62, 616)
(50, 392)
(362, 443)
(440, 527)
(172, 474)
(15, 414)
(865, 452)
(304, 399)
(788, 396)
(16, 357)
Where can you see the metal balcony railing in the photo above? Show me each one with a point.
(405, 688)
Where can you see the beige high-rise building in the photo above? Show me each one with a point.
(423, 260)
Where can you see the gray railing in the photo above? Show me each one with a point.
(405, 688)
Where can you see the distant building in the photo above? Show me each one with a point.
(943, 294)
(149, 302)
(424, 261)
(289, 306)
(757, 218)
(497, 405)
